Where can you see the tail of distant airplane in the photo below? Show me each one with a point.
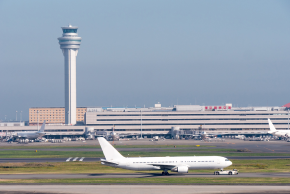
(41, 130)
(272, 128)
(109, 151)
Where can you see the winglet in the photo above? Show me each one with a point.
(41, 130)
(109, 151)
(272, 128)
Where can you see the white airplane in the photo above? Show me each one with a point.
(174, 164)
(279, 133)
(32, 134)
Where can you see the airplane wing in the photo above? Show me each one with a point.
(164, 166)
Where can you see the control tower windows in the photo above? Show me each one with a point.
(69, 30)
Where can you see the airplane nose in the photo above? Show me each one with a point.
(231, 163)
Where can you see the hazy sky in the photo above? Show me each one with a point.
(144, 52)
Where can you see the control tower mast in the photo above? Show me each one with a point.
(70, 44)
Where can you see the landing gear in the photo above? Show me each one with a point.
(165, 173)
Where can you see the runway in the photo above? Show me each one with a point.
(71, 159)
(137, 175)
(143, 189)
(17, 160)
(250, 146)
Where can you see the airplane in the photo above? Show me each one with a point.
(279, 133)
(174, 164)
(32, 134)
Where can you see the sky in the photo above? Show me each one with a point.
(138, 53)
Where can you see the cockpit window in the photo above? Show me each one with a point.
(227, 159)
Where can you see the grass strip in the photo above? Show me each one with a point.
(161, 180)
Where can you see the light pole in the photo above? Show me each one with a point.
(141, 124)
(16, 115)
(20, 116)
(288, 119)
(37, 121)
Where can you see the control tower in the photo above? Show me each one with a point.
(70, 44)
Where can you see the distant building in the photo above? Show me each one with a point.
(187, 118)
(11, 123)
(53, 115)
(181, 120)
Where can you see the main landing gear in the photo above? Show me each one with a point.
(165, 173)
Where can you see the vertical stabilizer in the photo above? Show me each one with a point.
(109, 151)
(41, 130)
(272, 128)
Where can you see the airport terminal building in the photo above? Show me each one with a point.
(186, 118)
(158, 120)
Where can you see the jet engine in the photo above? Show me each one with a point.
(180, 169)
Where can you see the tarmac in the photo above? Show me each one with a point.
(248, 146)
(142, 189)
(139, 175)
(244, 146)
(70, 159)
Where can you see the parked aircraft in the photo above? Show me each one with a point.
(173, 164)
(32, 134)
(279, 133)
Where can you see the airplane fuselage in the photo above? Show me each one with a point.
(30, 135)
(168, 163)
(281, 133)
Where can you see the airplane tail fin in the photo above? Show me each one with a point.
(272, 128)
(109, 151)
(41, 130)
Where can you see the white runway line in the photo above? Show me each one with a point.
(67, 160)
(82, 159)
(75, 159)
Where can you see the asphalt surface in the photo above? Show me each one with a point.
(250, 146)
(37, 160)
(137, 175)
(143, 189)
(16, 160)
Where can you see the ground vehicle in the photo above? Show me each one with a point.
(155, 138)
(227, 172)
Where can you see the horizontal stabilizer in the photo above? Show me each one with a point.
(109, 163)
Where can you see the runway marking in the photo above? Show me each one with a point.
(82, 159)
(67, 160)
(75, 159)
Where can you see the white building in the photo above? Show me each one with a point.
(187, 118)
